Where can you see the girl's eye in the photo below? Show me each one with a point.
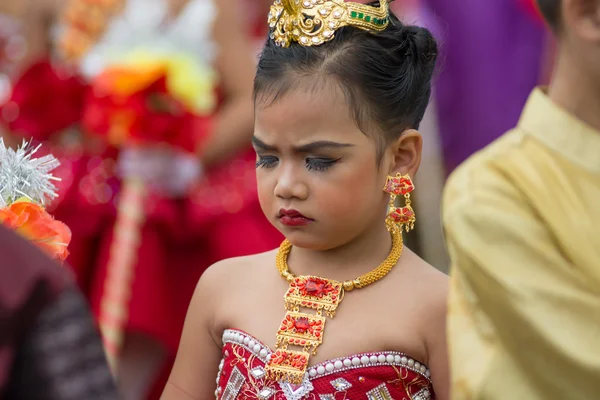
(320, 164)
(266, 162)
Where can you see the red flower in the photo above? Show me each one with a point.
(130, 107)
(45, 100)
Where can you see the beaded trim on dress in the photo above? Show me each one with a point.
(331, 366)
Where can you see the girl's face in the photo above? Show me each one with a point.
(318, 178)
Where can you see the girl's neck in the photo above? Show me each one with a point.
(346, 262)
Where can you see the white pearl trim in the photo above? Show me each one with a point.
(424, 394)
(219, 388)
(392, 358)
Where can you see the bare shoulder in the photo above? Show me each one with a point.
(233, 276)
(235, 272)
(217, 297)
(430, 286)
(229, 283)
(424, 277)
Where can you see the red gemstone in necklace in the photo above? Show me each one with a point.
(314, 288)
(301, 325)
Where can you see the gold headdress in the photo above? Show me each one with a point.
(313, 22)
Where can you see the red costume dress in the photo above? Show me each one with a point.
(220, 218)
(371, 376)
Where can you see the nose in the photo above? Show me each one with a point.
(290, 184)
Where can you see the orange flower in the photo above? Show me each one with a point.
(123, 81)
(33, 222)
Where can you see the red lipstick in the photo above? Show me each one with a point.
(293, 218)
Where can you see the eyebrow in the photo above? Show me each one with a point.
(307, 148)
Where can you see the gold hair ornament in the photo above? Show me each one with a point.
(314, 22)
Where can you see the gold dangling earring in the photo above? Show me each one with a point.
(400, 217)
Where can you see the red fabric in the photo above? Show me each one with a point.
(45, 100)
(150, 115)
(400, 381)
(182, 237)
(85, 203)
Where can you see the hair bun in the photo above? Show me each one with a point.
(420, 45)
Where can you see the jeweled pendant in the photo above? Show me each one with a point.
(301, 329)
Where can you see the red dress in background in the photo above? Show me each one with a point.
(221, 217)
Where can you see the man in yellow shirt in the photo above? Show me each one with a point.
(522, 224)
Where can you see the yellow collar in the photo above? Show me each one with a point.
(560, 131)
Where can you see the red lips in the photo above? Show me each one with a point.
(290, 213)
(293, 218)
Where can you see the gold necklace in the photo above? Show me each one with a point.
(320, 294)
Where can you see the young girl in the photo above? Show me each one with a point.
(339, 91)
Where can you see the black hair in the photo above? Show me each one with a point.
(385, 76)
(550, 10)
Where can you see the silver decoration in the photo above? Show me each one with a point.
(265, 393)
(297, 392)
(235, 383)
(258, 372)
(23, 175)
(340, 384)
(381, 392)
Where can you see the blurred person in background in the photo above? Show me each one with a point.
(493, 55)
(24, 34)
(49, 345)
(521, 219)
(25, 40)
(200, 208)
(255, 11)
(196, 213)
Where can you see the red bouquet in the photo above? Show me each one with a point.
(130, 106)
(45, 100)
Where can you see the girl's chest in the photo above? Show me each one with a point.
(363, 323)
(243, 374)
